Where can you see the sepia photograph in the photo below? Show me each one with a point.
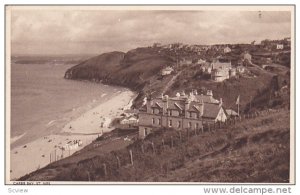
(150, 94)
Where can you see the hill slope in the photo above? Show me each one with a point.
(131, 70)
(139, 69)
(253, 150)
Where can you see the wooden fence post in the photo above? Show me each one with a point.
(180, 136)
(202, 128)
(118, 162)
(104, 169)
(163, 143)
(88, 175)
(195, 132)
(153, 147)
(131, 157)
(142, 147)
(172, 141)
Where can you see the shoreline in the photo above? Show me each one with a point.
(85, 128)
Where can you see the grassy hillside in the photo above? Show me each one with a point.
(253, 150)
(132, 69)
(139, 69)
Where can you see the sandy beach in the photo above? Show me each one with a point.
(83, 129)
(97, 120)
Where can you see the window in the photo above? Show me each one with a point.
(159, 121)
(153, 121)
(179, 124)
(170, 123)
(189, 124)
(197, 125)
(153, 110)
(191, 114)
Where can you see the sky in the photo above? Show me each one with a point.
(96, 31)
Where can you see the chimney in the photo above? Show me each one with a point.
(221, 102)
(165, 100)
(148, 104)
(186, 107)
(201, 108)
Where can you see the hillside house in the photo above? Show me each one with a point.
(206, 68)
(279, 46)
(220, 71)
(200, 61)
(240, 69)
(227, 50)
(131, 120)
(166, 71)
(246, 56)
(185, 62)
(191, 111)
(231, 113)
(156, 45)
(232, 72)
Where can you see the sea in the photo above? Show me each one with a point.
(42, 101)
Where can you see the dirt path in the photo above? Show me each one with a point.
(171, 82)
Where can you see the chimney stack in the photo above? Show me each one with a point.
(221, 102)
(165, 100)
(201, 107)
(186, 107)
(148, 104)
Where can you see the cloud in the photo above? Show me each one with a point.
(96, 31)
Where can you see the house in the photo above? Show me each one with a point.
(219, 75)
(185, 62)
(227, 50)
(279, 46)
(156, 45)
(220, 71)
(240, 69)
(246, 56)
(206, 68)
(232, 72)
(200, 61)
(231, 113)
(131, 120)
(183, 112)
(72, 145)
(166, 71)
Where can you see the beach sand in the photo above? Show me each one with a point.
(87, 127)
(90, 122)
